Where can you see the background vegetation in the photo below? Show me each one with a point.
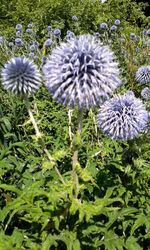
(38, 211)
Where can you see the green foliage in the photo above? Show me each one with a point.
(39, 211)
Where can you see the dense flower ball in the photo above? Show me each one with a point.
(145, 93)
(113, 28)
(21, 76)
(132, 36)
(18, 42)
(57, 32)
(123, 117)
(81, 72)
(18, 27)
(103, 26)
(74, 18)
(117, 22)
(48, 43)
(148, 32)
(143, 74)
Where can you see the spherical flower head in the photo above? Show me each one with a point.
(10, 44)
(30, 26)
(48, 43)
(18, 42)
(145, 94)
(103, 26)
(148, 32)
(81, 72)
(74, 18)
(132, 36)
(113, 28)
(123, 117)
(49, 28)
(143, 74)
(29, 31)
(19, 33)
(57, 32)
(18, 27)
(32, 48)
(21, 76)
(117, 22)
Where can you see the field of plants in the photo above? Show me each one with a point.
(74, 125)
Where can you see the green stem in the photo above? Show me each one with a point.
(75, 156)
(38, 135)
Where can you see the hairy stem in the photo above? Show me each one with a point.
(75, 156)
(38, 135)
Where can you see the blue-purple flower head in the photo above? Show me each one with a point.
(48, 43)
(113, 28)
(74, 18)
(21, 76)
(19, 27)
(29, 30)
(103, 26)
(132, 36)
(81, 72)
(123, 117)
(57, 32)
(18, 42)
(117, 22)
(145, 94)
(143, 74)
(148, 32)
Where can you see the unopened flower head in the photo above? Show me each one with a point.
(117, 22)
(48, 43)
(81, 72)
(143, 74)
(123, 117)
(103, 26)
(74, 18)
(21, 76)
(145, 94)
(18, 27)
(113, 28)
(57, 32)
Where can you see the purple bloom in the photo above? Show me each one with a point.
(57, 32)
(18, 42)
(48, 43)
(132, 36)
(29, 30)
(21, 76)
(81, 72)
(74, 18)
(103, 26)
(18, 27)
(145, 94)
(123, 117)
(117, 22)
(143, 74)
(113, 28)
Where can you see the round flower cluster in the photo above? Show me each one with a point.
(143, 74)
(81, 72)
(123, 117)
(21, 76)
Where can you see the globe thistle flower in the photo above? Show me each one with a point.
(29, 31)
(123, 117)
(32, 48)
(81, 72)
(103, 26)
(117, 22)
(21, 76)
(19, 33)
(74, 18)
(145, 94)
(49, 28)
(18, 27)
(10, 44)
(31, 55)
(132, 36)
(148, 32)
(48, 43)
(113, 28)
(57, 32)
(18, 42)
(143, 74)
(30, 26)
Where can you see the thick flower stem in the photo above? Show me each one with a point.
(39, 136)
(75, 156)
